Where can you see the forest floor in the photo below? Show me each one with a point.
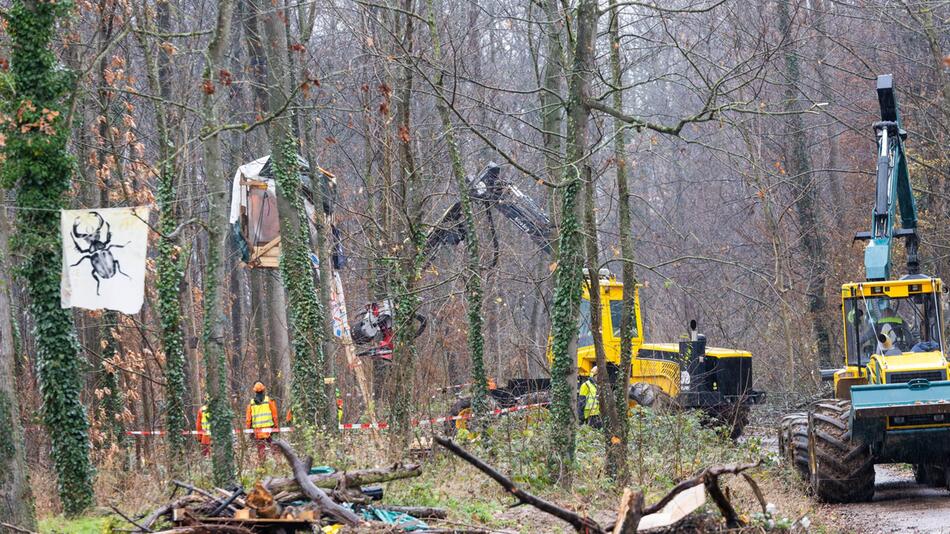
(664, 450)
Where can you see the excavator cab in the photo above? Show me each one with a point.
(893, 333)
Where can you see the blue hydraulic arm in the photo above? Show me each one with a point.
(892, 189)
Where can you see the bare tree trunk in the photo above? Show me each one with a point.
(407, 231)
(616, 455)
(628, 318)
(278, 331)
(216, 279)
(16, 498)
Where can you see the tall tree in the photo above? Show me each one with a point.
(567, 275)
(799, 168)
(168, 262)
(305, 315)
(473, 276)
(16, 499)
(38, 164)
(628, 322)
(216, 281)
(408, 236)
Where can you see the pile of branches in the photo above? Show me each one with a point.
(195, 510)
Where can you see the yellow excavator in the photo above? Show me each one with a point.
(687, 374)
(684, 375)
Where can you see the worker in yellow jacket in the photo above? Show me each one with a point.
(203, 426)
(587, 400)
(262, 418)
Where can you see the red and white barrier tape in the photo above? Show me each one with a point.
(422, 422)
(204, 433)
(350, 426)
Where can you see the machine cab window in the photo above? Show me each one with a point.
(881, 324)
(585, 337)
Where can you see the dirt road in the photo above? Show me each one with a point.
(899, 505)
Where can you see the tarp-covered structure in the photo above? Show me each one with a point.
(254, 218)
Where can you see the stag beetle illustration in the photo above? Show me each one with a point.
(99, 250)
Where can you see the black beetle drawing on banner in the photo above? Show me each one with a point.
(98, 251)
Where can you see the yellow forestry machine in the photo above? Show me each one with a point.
(687, 374)
(892, 395)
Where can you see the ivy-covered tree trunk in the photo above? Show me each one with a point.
(168, 262)
(305, 315)
(38, 164)
(799, 169)
(473, 277)
(409, 239)
(627, 315)
(113, 399)
(215, 280)
(567, 276)
(16, 499)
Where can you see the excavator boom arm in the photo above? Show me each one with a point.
(892, 189)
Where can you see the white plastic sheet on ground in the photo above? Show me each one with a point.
(104, 254)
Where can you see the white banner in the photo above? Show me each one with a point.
(104, 254)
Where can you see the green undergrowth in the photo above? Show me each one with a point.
(664, 450)
(80, 525)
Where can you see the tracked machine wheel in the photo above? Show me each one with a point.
(929, 475)
(793, 441)
(841, 468)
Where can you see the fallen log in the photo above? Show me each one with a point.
(349, 479)
(580, 523)
(325, 503)
(207, 529)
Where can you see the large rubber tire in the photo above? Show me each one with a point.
(651, 396)
(930, 475)
(840, 466)
(793, 441)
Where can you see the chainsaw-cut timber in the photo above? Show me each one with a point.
(262, 502)
(205, 529)
(151, 518)
(631, 510)
(349, 479)
(315, 494)
(629, 514)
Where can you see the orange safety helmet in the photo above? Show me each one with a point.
(259, 387)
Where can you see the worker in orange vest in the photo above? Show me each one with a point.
(262, 418)
(203, 426)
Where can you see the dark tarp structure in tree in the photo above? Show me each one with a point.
(254, 219)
